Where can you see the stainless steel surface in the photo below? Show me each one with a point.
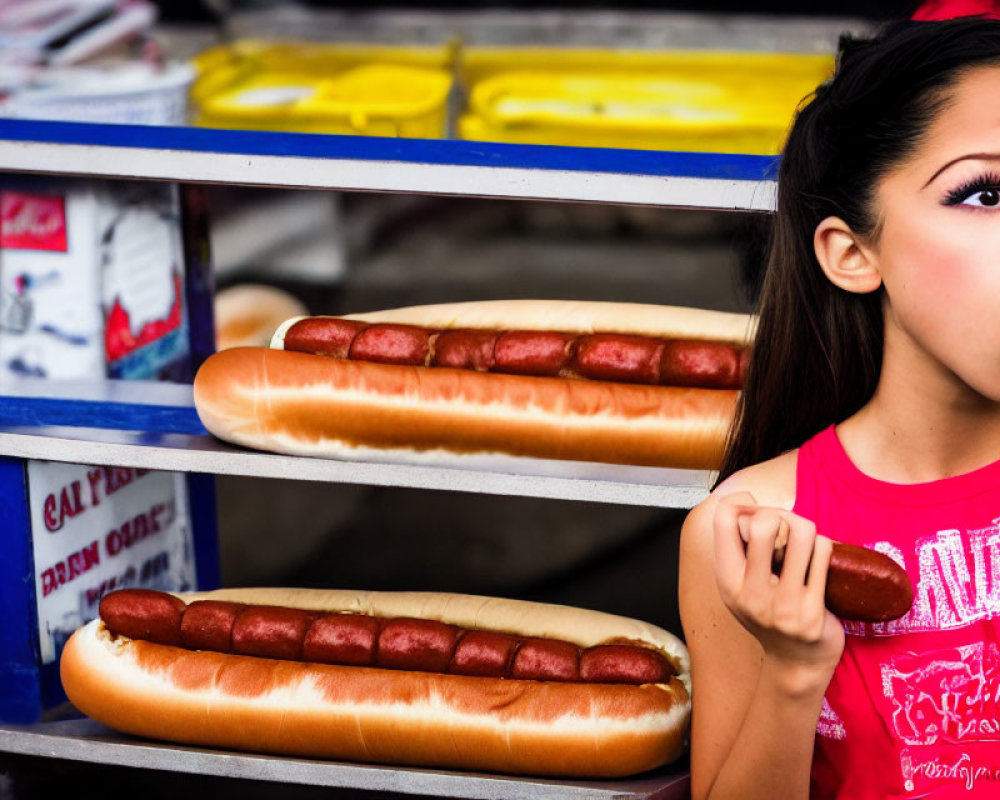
(86, 740)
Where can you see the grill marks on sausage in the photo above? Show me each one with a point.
(358, 640)
(625, 358)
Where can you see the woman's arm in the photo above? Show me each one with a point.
(762, 649)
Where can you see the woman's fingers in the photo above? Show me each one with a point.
(819, 567)
(755, 542)
(730, 557)
(798, 552)
(797, 609)
(786, 613)
(761, 528)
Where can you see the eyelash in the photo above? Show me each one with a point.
(966, 190)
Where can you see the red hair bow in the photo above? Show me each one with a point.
(936, 10)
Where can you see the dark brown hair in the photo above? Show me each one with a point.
(818, 349)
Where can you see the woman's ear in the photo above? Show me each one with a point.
(844, 259)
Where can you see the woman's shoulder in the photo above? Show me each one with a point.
(771, 483)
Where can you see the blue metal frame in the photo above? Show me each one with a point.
(199, 279)
(117, 416)
(201, 497)
(21, 697)
(415, 151)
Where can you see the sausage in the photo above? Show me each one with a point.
(616, 357)
(206, 624)
(341, 639)
(405, 643)
(706, 364)
(465, 350)
(540, 353)
(271, 632)
(323, 336)
(616, 663)
(392, 344)
(484, 654)
(547, 660)
(416, 644)
(625, 358)
(144, 614)
(862, 584)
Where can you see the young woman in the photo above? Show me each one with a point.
(871, 415)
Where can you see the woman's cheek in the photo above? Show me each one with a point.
(944, 285)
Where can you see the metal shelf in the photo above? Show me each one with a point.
(88, 741)
(488, 474)
(375, 164)
(154, 425)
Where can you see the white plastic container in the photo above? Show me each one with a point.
(130, 93)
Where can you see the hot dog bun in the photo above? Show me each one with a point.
(301, 404)
(247, 314)
(390, 716)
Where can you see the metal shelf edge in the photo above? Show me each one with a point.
(353, 163)
(488, 474)
(86, 740)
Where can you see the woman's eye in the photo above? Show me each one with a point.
(984, 198)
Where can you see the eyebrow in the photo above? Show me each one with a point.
(979, 156)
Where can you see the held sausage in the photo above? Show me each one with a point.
(521, 688)
(863, 585)
(624, 358)
(405, 643)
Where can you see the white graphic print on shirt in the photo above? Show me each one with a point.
(946, 696)
(958, 584)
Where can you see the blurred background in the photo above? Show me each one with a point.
(622, 75)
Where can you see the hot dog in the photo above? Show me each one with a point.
(421, 679)
(613, 382)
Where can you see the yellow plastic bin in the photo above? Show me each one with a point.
(220, 68)
(677, 100)
(478, 62)
(370, 100)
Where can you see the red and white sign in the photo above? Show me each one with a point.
(32, 221)
(97, 529)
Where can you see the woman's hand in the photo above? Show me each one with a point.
(785, 612)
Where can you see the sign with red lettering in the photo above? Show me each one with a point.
(96, 529)
(32, 221)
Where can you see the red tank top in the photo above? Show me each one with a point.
(913, 709)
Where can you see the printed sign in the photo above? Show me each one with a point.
(92, 280)
(50, 293)
(142, 267)
(32, 221)
(97, 529)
